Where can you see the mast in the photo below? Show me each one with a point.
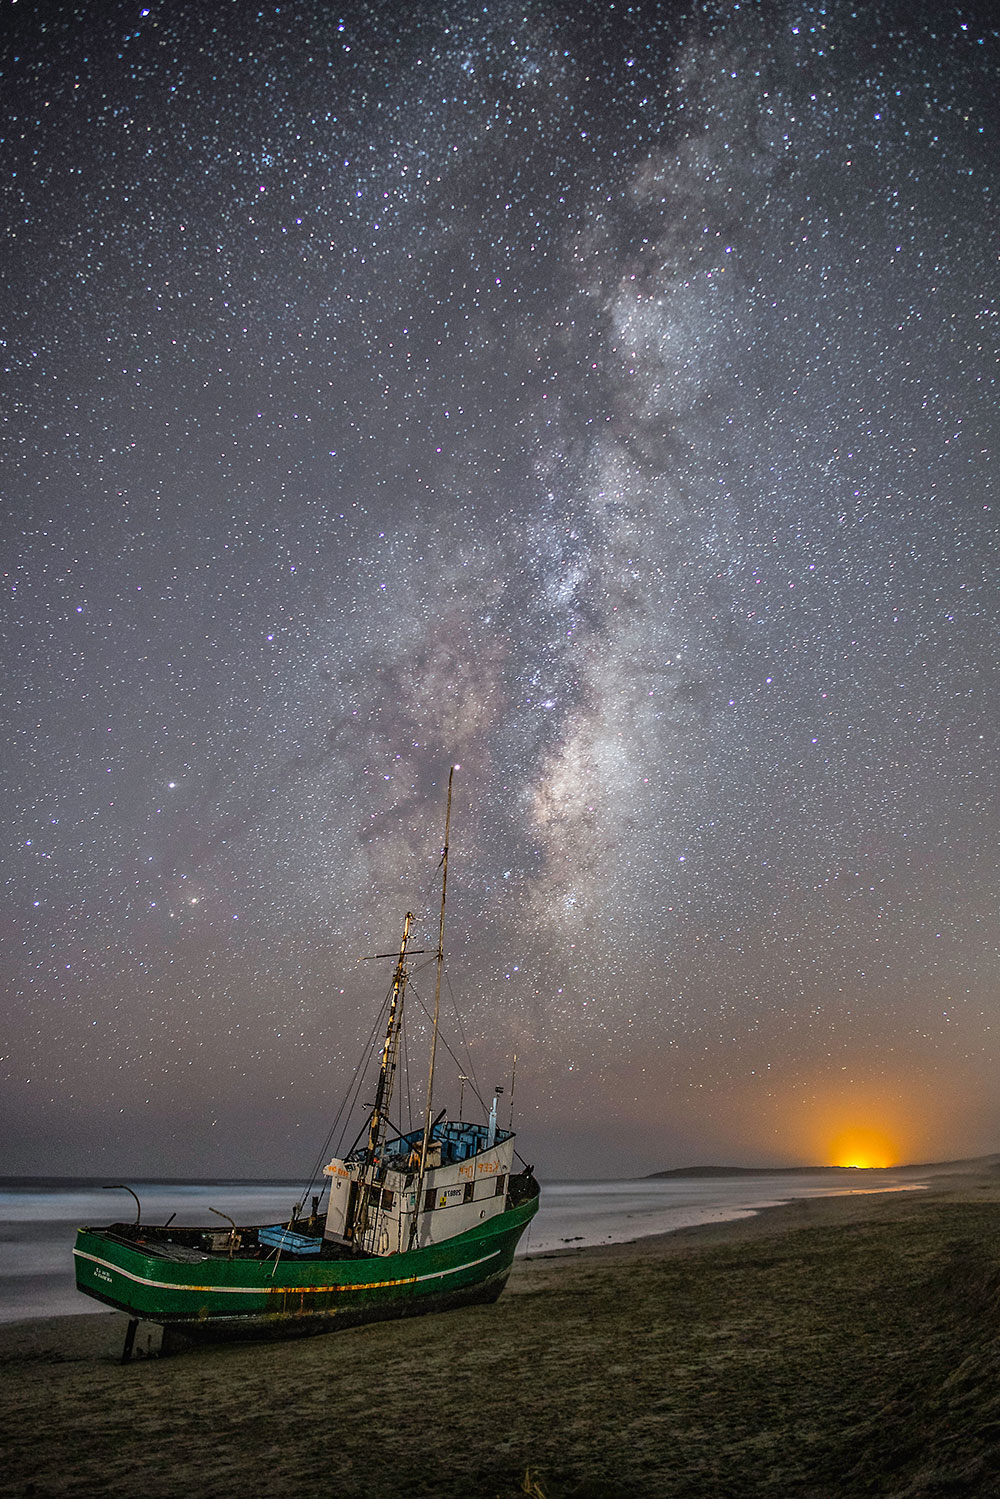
(428, 1121)
(390, 1050)
(377, 1125)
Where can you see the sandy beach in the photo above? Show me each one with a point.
(835, 1346)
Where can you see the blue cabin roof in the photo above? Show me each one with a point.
(458, 1141)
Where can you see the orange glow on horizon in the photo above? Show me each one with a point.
(873, 1123)
(867, 1148)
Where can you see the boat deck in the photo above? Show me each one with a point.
(191, 1246)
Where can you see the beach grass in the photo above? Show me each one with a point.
(830, 1347)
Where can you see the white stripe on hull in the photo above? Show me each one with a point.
(281, 1290)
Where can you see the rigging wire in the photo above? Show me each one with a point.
(350, 1097)
(443, 1040)
(461, 1032)
(348, 1101)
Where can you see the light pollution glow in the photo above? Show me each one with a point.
(864, 1147)
(873, 1121)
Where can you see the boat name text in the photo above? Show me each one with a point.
(484, 1168)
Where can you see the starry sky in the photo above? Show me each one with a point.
(599, 396)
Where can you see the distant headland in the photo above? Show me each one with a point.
(978, 1163)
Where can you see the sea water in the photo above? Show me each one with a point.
(39, 1218)
(578, 1214)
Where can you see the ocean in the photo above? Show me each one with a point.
(39, 1218)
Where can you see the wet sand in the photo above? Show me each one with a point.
(829, 1347)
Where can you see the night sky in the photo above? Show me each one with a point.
(602, 397)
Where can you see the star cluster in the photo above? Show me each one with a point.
(602, 397)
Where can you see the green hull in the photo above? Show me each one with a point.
(215, 1297)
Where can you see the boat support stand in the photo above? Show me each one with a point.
(129, 1339)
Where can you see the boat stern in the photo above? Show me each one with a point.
(114, 1269)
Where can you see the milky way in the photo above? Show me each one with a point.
(599, 397)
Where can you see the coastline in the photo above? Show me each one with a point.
(823, 1347)
(39, 1218)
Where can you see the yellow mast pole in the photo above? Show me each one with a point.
(383, 1096)
(359, 1220)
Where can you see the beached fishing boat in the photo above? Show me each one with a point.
(415, 1221)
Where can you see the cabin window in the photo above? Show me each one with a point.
(429, 1197)
(376, 1197)
(470, 1188)
(501, 1186)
